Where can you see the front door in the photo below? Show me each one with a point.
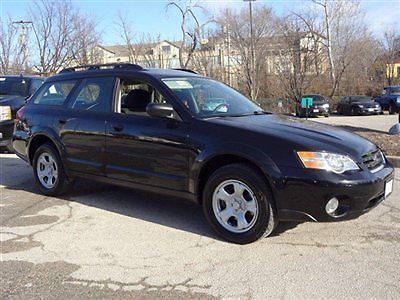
(143, 149)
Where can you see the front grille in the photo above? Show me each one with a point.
(374, 160)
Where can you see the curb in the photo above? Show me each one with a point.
(394, 160)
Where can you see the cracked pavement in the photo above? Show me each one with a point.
(102, 241)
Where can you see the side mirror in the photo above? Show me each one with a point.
(160, 110)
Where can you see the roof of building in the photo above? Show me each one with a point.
(140, 48)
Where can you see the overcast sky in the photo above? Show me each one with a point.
(152, 17)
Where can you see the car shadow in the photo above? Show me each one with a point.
(150, 207)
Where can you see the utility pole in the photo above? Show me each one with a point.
(253, 61)
(23, 40)
(228, 42)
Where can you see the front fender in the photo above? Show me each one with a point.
(247, 152)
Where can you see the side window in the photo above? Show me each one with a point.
(54, 93)
(35, 85)
(94, 94)
(135, 96)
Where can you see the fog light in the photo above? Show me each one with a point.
(332, 206)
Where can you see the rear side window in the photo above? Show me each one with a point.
(54, 93)
(93, 94)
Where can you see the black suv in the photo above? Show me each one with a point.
(13, 92)
(182, 134)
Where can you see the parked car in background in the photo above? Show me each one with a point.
(186, 135)
(390, 99)
(319, 107)
(14, 90)
(358, 105)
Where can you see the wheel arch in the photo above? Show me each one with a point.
(207, 165)
(39, 138)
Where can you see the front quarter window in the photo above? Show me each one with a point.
(205, 97)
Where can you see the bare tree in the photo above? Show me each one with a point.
(298, 56)
(85, 39)
(208, 59)
(390, 45)
(53, 33)
(12, 58)
(190, 28)
(128, 36)
(342, 24)
(150, 55)
(240, 36)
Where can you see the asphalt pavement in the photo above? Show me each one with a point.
(102, 241)
(375, 122)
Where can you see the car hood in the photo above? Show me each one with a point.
(14, 101)
(366, 103)
(303, 135)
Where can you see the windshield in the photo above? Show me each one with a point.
(205, 97)
(316, 98)
(395, 90)
(361, 99)
(13, 86)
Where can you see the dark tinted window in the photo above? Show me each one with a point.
(54, 93)
(13, 86)
(93, 94)
(360, 99)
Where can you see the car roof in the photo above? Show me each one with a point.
(23, 76)
(150, 72)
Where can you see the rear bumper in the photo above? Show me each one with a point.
(6, 132)
(304, 194)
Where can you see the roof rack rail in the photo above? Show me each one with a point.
(100, 66)
(186, 70)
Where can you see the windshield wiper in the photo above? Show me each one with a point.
(256, 112)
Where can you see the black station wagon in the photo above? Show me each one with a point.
(178, 133)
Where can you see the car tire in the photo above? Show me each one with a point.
(354, 111)
(392, 108)
(247, 200)
(47, 164)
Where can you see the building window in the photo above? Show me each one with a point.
(166, 49)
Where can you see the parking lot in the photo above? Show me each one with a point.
(376, 122)
(104, 241)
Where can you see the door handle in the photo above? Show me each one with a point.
(117, 127)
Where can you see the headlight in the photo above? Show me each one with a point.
(325, 105)
(398, 99)
(336, 163)
(361, 106)
(5, 113)
(377, 105)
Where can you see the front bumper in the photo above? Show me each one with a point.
(317, 111)
(303, 193)
(371, 111)
(6, 132)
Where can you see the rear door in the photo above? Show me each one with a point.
(82, 125)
